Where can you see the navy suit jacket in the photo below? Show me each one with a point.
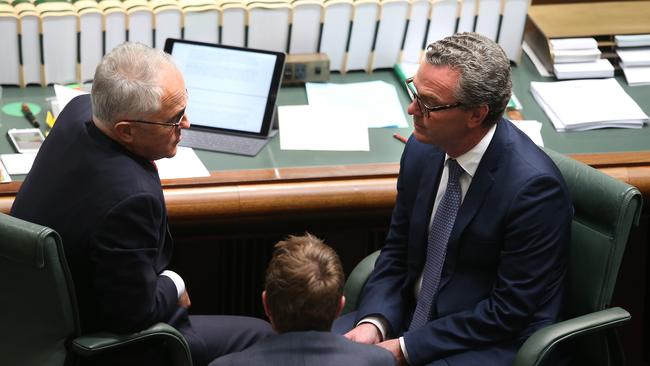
(309, 348)
(107, 205)
(504, 271)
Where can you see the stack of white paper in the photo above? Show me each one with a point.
(579, 58)
(633, 40)
(584, 70)
(581, 105)
(635, 63)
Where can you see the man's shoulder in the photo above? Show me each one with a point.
(316, 348)
(524, 155)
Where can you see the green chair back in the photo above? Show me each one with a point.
(605, 211)
(38, 311)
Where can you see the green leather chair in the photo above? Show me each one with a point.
(39, 322)
(605, 211)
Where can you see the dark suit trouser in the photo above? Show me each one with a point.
(208, 336)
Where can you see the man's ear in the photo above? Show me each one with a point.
(266, 306)
(477, 115)
(341, 306)
(124, 131)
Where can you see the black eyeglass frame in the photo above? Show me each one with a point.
(423, 107)
(178, 118)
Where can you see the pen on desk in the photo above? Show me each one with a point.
(399, 137)
(29, 115)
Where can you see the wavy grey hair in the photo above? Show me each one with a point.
(126, 83)
(484, 71)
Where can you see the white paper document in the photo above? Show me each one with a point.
(634, 56)
(18, 163)
(564, 56)
(375, 102)
(308, 127)
(184, 165)
(532, 129)
(636, 75)
(579, 105)
(573, 43)
(601, 68)
(632, 40)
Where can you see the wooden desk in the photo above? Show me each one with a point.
(247, 187)
(225, 225)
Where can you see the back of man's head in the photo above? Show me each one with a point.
(127, 83)
(304, 285)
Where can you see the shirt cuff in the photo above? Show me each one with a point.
(402, 345)
(178, 281)
(377, 322)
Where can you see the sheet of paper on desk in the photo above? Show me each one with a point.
(532, 129)
(185, 164)
(307, 127)
(18, 163)
(376, 101)
(63, 96)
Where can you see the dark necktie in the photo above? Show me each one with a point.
(443, 222)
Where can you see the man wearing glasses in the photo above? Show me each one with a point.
(475, 257)
(94, 182)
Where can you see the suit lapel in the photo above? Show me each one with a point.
(429, 181)
(479, 188)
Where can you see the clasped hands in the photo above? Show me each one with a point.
(369, 334)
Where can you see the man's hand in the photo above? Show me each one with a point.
(364, 333)
(392, 345)
(184, 300)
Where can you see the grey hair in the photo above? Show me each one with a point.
(126, 83)
(483, 67)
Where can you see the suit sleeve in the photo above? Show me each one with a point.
(124, 250)
(381, 294)
(533, 260)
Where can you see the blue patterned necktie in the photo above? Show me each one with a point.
(443, 222)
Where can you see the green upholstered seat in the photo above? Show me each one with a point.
(39, 319)
(605, 211)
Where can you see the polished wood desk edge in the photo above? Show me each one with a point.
(247, 193)
(614, 159)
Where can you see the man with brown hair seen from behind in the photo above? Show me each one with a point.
(302, 297)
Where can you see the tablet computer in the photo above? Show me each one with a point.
(232, 94)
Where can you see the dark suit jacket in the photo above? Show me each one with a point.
(107, 205)
(504, 271)
(310, 349)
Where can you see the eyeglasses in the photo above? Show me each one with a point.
(424, 108)
(178, 118)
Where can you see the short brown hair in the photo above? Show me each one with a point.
(304, 284)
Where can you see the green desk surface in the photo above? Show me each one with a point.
(383, 147)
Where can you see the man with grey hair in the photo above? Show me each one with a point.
(475, 257)
(94, 182)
